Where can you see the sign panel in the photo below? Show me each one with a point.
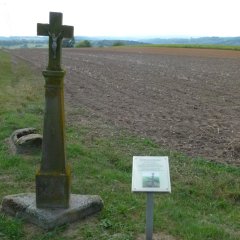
(150, 174)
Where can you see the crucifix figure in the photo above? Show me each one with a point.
(54, 42)
(56, 32)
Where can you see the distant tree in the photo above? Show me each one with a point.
(118, 43)
(68, 43)
(84, 43)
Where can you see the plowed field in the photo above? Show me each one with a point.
(184, 99)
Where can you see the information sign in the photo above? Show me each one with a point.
(150, 174)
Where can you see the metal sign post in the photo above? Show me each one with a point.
(149, 216)
(150, 174)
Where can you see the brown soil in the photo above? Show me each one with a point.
(184, 99)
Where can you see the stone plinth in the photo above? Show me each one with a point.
(24, 206)
(53, 189)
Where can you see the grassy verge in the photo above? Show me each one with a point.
(200, 46)
(205, 199)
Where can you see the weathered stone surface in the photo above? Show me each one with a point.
(30, 140)
(24, 206)
(53, 189)
(25, 140)
(53, 177)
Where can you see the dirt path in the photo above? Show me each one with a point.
(184, 99)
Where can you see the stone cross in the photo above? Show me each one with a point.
(53, 177)
(56, 32)
(53, 205)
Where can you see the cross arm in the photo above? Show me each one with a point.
(42, 29)
(67, 31)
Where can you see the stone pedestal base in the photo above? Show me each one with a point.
(53, 190)
(24, 206)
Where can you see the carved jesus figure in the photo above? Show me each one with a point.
(54, 42)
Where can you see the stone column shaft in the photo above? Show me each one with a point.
(53, 178)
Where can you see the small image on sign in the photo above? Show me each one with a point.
(150, 174)
(150, 179)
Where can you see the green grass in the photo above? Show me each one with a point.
(205, 199)
(10, 229)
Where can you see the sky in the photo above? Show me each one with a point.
(135, 18)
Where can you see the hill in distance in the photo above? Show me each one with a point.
(34, 41)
